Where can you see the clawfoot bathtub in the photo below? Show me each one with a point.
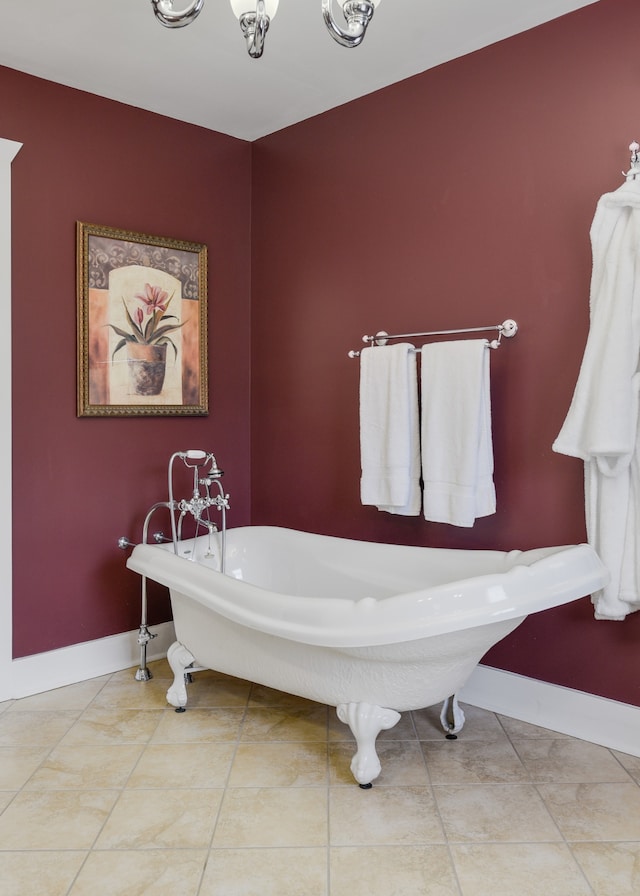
(372, 629)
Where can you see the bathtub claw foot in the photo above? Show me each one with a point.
(366, 721)
(179, 659)
(451, 717)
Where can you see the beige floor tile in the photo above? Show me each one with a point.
(106, 790)
(162, 872)
(261, 695)
(392, 871)
(383, 815)
(612, 869)
(39, 873)
(405, 729)
(504, 812)
(183, 765)
(340, 757)
(199, 726)
(167, 819)
(124, 674)
(286, 724)
(86, 768)
(402, 763)
(215, 690)
(279, 765)
(212, 675)
(74, 696)
(630, 763)
(17, 764)
(157, 668)
(131, 694)
(515, 728)
(480, 724)
(104, 726)
(266, 872)
(473, 762)
(55, 819)
(568, 760)
(522, 869)
(427, 722)
(594, 811)
(271, 816)
(35, 728)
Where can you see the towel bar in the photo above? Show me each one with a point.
(507, 328)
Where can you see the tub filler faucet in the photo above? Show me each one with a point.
(206, 474)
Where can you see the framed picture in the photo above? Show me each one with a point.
(142, 324)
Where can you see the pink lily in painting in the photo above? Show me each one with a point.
(155, 302)
(154, 297)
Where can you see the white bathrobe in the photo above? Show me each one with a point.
(601, 426)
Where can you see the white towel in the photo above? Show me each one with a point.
(457, 446)
(389, 429)
(601, 426)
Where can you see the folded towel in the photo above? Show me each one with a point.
(389, 429)
(457, 448)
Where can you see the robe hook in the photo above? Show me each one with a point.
(635, 161)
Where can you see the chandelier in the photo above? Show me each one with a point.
(255, 17)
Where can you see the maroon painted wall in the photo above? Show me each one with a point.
(457, 198)
(81, 483)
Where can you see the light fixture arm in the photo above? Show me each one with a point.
(254, 27)
(170, 18)
(358, 14)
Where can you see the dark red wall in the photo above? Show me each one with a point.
(460, 197)
(81, 483)
(457, 198)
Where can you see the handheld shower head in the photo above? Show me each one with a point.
(215, 472)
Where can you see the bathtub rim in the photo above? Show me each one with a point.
(564, 574)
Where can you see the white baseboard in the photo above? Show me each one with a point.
(586, 716)
(596, 719)
(80, 662)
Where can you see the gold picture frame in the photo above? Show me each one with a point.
(142, 324)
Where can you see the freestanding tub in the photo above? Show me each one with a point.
(372, 629)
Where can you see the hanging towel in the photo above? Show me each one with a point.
(389, 429)
(601, 426)
(457, 447)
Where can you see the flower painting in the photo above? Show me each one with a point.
(141, 324)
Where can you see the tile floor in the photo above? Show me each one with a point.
(104, 790)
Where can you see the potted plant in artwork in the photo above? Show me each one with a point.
(147, 342)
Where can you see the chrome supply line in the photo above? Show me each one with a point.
(507, 328)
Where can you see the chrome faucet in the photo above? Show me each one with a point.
(197, 506)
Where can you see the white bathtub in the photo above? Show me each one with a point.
(372, 629)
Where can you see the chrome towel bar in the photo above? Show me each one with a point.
(507, 328)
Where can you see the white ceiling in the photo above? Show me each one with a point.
(202, 73)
